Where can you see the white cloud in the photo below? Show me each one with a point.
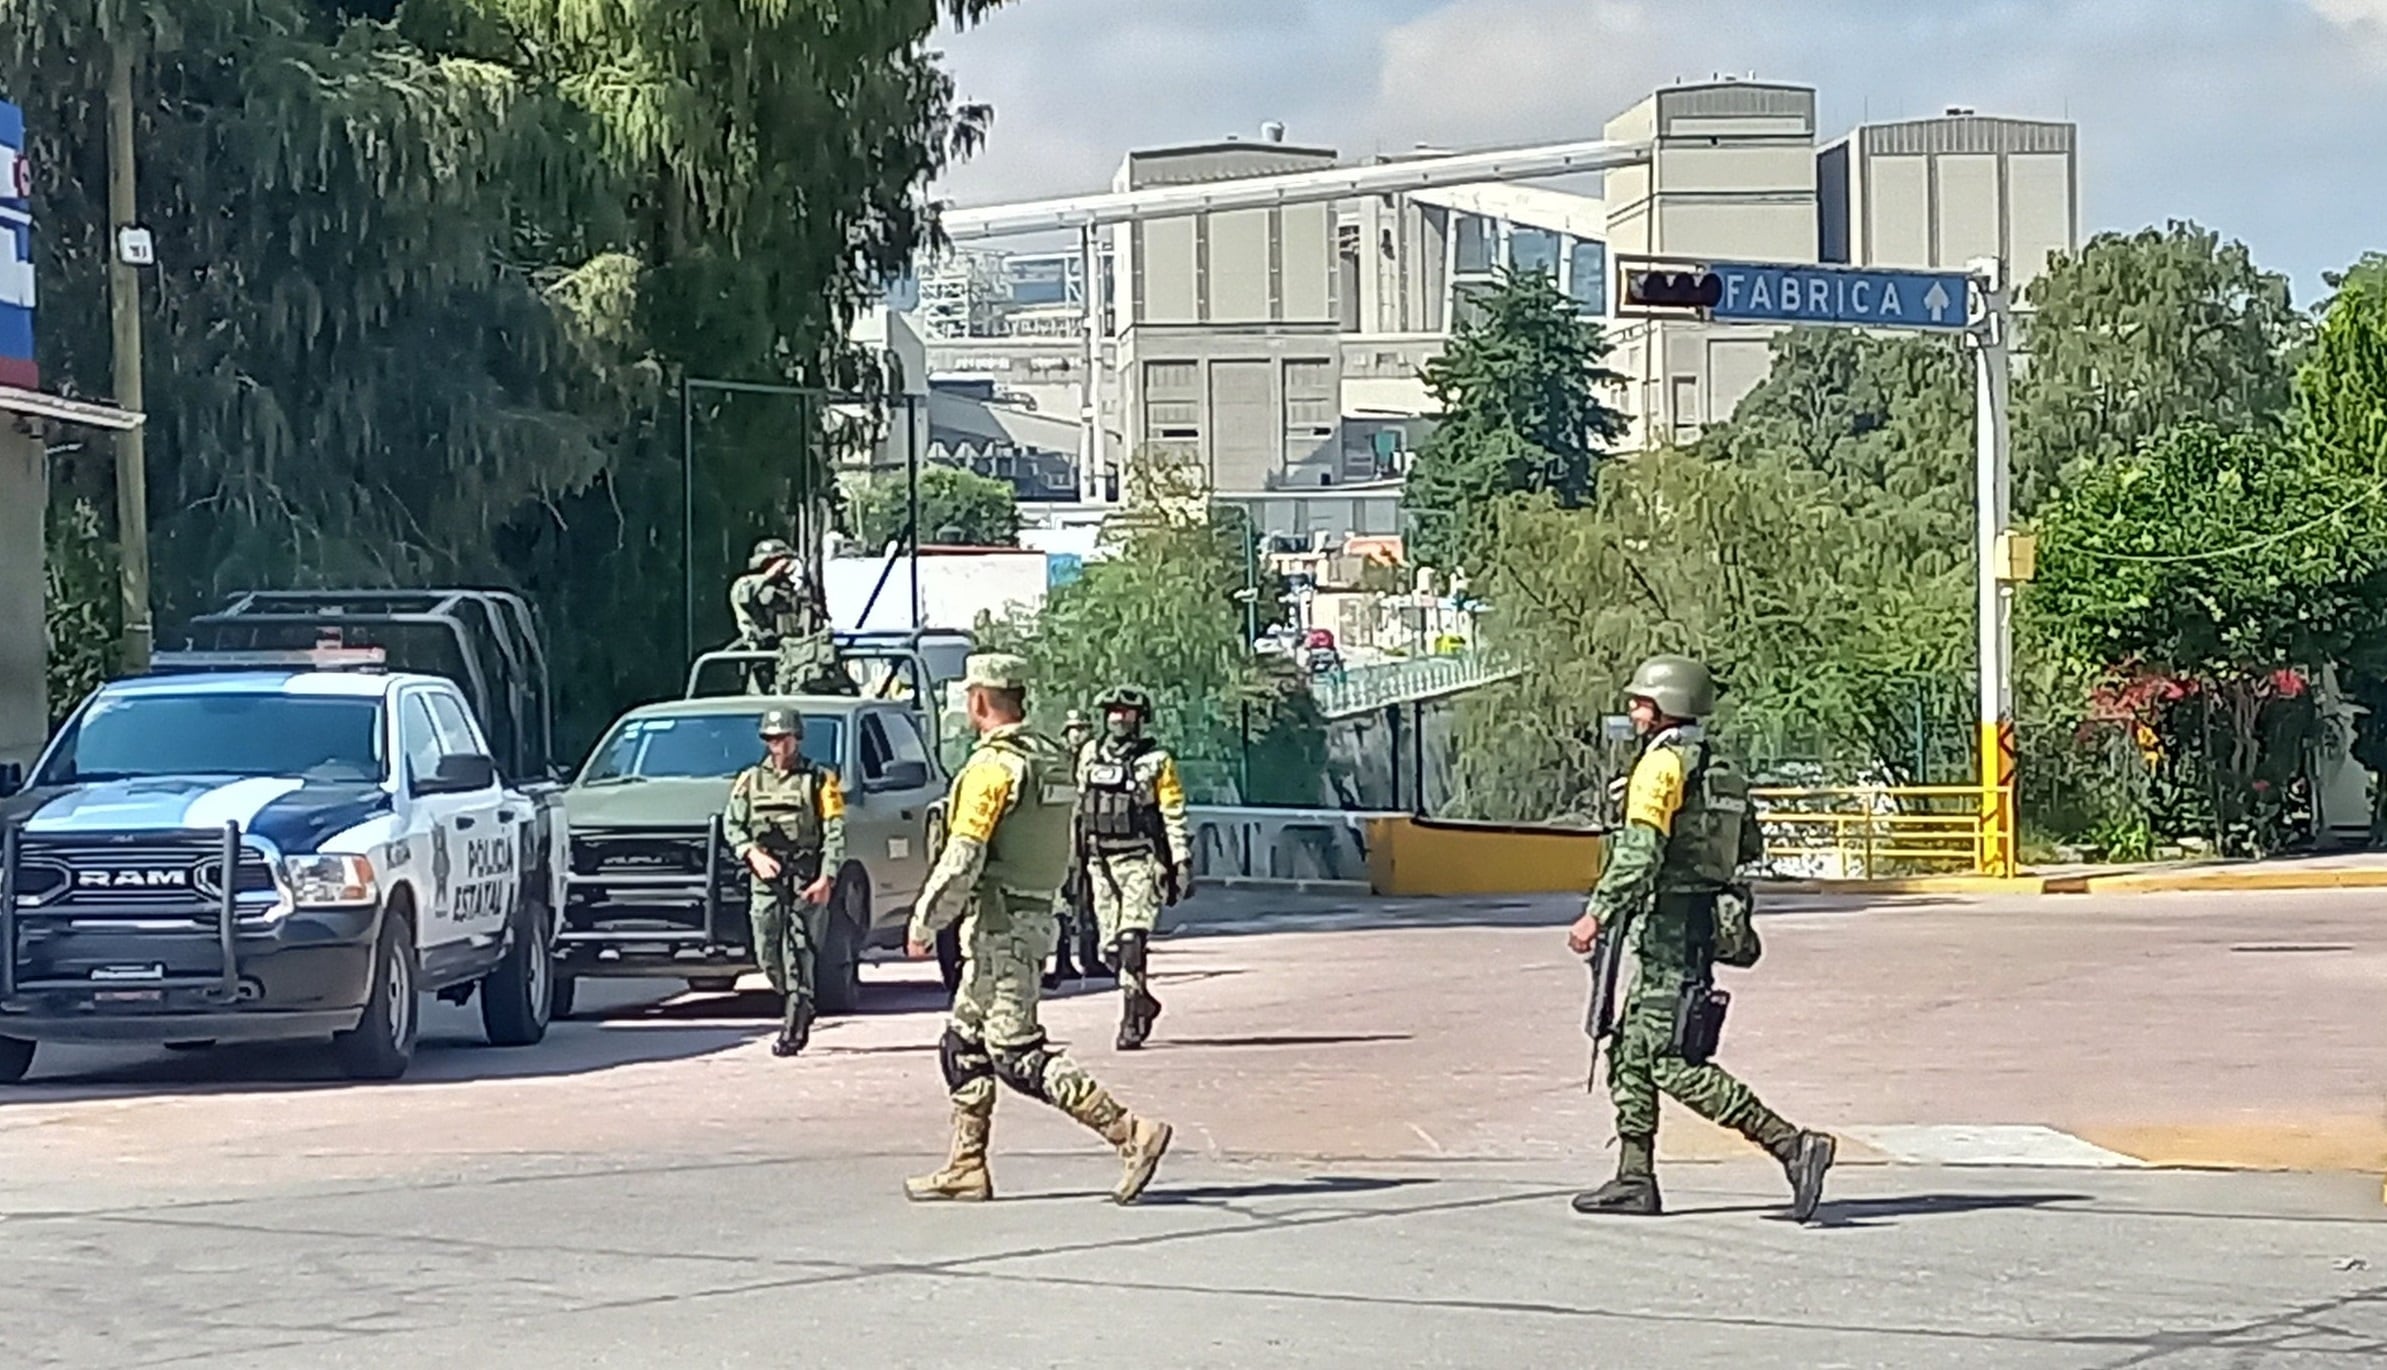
(2257, 117)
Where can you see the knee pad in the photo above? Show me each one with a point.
(1131, 950)
(1022, 1067)
(962, 1060)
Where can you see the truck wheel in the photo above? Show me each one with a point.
(949, 957)
(837, 962)
(516, 998)
(381, 1045)
(16, 1057)
(561, 991)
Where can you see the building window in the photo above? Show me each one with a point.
(1533, 249)
(1473, 252)
(1587, 275)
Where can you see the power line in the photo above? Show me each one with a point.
(2254, 545)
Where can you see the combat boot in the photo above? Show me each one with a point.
(795, 1029)
(1634, 1191)
(1141, 1142)
(1805, 1156)
(1138, 1011)
(965, 1178)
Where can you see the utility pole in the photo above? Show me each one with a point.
(124, 309)
(2001, 563)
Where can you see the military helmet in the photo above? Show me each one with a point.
(779, 723)
(1679, 686)
(1125, 697)
(767, 551)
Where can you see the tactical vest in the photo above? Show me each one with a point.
(1703, 852)
(787, 807)
(1117, 810)
(1029, 852)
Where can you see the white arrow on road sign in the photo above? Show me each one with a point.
(1937, 301)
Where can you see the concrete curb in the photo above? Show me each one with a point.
(1262, 882)
(2209, 878)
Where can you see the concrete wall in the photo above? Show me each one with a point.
(24, 632)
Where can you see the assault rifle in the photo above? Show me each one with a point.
(1607, 963)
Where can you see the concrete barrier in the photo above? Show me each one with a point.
(1319, 849)
(1429, 856)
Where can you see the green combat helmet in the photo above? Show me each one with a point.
(1126, 697)
(1679, 686)
(767, 551)
(778, 723)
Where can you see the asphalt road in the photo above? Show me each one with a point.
(1380, 1114)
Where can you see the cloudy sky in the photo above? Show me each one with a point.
(2266, 119)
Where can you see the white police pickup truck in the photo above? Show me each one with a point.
(255, 845)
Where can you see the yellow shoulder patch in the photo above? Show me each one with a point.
(980, 797)
(832, 795)
(1656, 792)
(1166, 787)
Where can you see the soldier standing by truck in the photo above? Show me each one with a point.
(1005, 855)
(786, 823)
(1135, 857)
(779, 608)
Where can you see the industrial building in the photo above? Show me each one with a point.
(1279, 343)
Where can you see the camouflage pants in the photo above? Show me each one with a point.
(786, 932)
(1005, 939)
(1643, 1064)
(1127, 892)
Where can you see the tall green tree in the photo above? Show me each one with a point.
(1519, 388)
(957, 508)
(2138, 333)
(428, 269)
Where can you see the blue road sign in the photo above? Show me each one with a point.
(1778, 292)
(16, 254)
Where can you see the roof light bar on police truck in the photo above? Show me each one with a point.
(304, 659)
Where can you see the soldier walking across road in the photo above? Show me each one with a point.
(1134, 855)
(786, 823)
(1673, 870)
(1006, 852)
(778, 608)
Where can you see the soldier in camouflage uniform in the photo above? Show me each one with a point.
(1074, 913)
(778, 608)
(1006, 852)
(1132, 843)
(786, 824)
(1687, 831)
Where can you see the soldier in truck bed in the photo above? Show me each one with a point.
(786, 824)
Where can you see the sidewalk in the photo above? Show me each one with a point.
(2333, 871)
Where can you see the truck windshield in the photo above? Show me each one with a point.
(141, 736)
(700, 747)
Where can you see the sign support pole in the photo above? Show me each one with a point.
(124, 313)
(1993, 494)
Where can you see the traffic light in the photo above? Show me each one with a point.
(1673, 289)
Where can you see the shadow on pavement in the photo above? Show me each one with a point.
(1885, 1211)
(1320, 1187)
(1291, 1039)
(1258, 911)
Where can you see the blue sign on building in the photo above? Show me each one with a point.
(1775, 292)
(1062, 568)
(16, 253)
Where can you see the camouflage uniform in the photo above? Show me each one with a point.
(1687, 831)
(797, 815)
(1136, 856)
(1006, 852)
(782, 611)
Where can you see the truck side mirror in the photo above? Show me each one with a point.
(904, 775)
(12, 777)
(459, 773)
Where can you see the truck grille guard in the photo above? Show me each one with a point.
(709, 934)
(223, 986)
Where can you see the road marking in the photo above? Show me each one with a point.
(2021, 1144)
(1427, 1138)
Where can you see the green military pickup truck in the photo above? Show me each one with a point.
(652, 890)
